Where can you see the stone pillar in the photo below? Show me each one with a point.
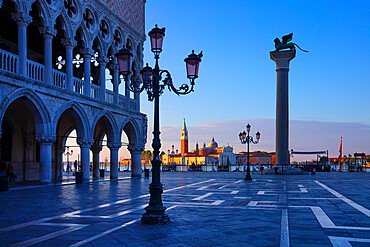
(115, 69)
(85, 146)
(135, 160)
(102, 66)
(46, 143)
(96, 151)
(48, 33)
(137, 99)
(114, 147)
(87, 53)
(69, 44)
(282, 59)
(127, 92)
(22, 20)
(59, 162)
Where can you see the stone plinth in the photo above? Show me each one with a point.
(282, 59)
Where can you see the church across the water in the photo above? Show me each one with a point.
(207, 158)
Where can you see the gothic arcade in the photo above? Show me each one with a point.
(56, 63)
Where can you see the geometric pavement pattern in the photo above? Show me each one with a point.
(205, 208)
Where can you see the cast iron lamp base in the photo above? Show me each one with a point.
(155, 216)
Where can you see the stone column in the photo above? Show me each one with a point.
(85, 146)
(102, 66)
(127, 92)
(115, 69)
(114, 147)
(135, 160)
(96, 151)
(59, 162)
(282, 59)
(69, 44)
(137, 99)
(46, 143)
(48, 33)
(22, 20)
(87, 54)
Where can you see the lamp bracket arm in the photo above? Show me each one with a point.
(182, 90)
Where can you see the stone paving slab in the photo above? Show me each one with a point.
(206, 209)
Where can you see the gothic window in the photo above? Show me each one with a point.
(71, 8)
(117, 38)
(89, 19)
(104, 29)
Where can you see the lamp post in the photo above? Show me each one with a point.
(246, 138)
(154, 84)
(67, 153)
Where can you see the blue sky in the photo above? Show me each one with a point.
(237, 79)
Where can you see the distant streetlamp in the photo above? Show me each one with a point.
(246, 138)
(154, 84)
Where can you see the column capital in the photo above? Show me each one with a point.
(22, 18)
(113, 66)
(114, 145)
(87, 52)
(102, 59)
(69, 43)
(96, 148)
(134, 149)
(48, 31)
(85, 143)
(45, 139)
(282, 58)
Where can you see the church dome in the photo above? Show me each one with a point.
(213, 144)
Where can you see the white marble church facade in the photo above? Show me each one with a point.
(47, 50)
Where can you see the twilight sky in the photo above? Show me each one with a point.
(329, 86)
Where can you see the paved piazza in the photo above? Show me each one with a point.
(206, 209)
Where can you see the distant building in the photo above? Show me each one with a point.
(255, 158)
(210, 155)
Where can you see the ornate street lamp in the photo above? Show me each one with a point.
(154, 81)
(246, 138)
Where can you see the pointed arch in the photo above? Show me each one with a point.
(132, 130)
(44, 12)
(66, 25)
(79, 116)
(36, 106)
(110, 123)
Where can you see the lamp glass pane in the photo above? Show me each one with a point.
(192, 67)
(124, 63)
(156, 40)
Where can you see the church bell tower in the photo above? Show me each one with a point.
(184, 139)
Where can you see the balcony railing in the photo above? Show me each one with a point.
(95, 91)
(109, 96)
(8, 61)
(59, 79)
(35, 71)
(78, 85)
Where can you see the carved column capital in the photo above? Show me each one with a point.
(282, 58)
(45, 139)
(48, 32)
(69, 43)
(114, 145)
(87, 52)
(135, 149)
(102, 60)
(22, 18)
(96, 148)
(84, 143)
